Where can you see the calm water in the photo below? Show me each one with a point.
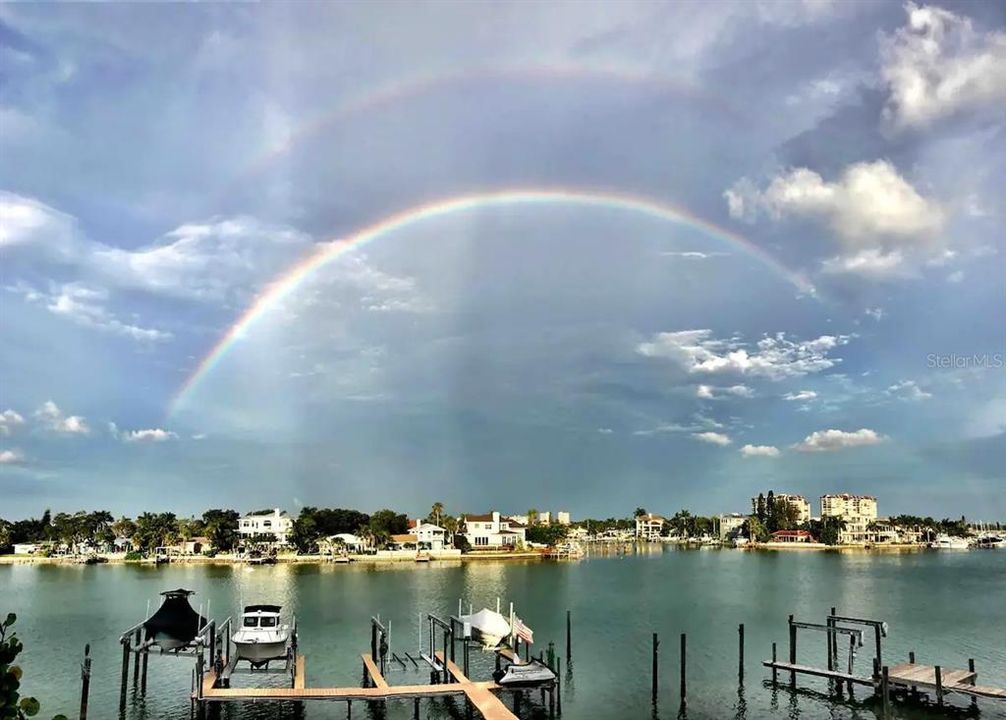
(946, 606)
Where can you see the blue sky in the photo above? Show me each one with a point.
(153, 183)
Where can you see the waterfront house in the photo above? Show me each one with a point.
(430, 536)
(194, 546)
(336, 544)
(792, 536)
(650, 526)
(492, 531)
(859, 513)
(26, 548)
(730, 525)
(266, 526)
(403, 541)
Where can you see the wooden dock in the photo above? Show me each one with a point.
(478, 693)
(959, 681)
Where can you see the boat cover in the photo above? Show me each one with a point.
(488, 624)
(262, 608)
(175, 618)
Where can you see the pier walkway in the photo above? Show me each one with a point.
(478, 693)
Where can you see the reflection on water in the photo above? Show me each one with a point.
(945, 607)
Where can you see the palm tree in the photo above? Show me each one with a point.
(532, 516)
(436, 512)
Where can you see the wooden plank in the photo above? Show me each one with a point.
(993, 693)
(374, 673)
(299, 670)
(817, 672)
(490, 706)
(347, 693)
(908, 674)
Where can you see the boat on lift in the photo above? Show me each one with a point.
(533, 673)
(262, 635)
(175, 624)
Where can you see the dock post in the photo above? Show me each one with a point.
(85, 681)
(551, 654)
(971, 668)
(684, 660)
(143, 673)
(911, 660)
(415, 708)
(558, 686)
(792, 651)
(885, 691)
(569, 638)
(939, 686)
(653, 679)
(834, 645)
(136, 660)
(125, 674)
(774, 671)
(876, 636)
(740, 652)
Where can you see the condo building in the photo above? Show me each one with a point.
(858, 512)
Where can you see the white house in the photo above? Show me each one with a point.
(277, 523)
(430, 536)
(649, 526)
(343, 541)
(25, 548)
(493, 532)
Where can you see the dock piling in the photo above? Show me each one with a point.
(740, 653)
(971, 669)
(654, 678)
(125, 673)
(136, 660)
(792, 651)
(834, 644)
(939, 685)
(684, 659)
(774, 672)
(885, 692)
(85, 681)
(558, 686)
(569, 639)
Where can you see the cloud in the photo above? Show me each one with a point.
(759, 451)
(9, 420)
(693, 254)
(801, 396)
(605, 431)
(775, 357)
(11, 457)
(714, 438)
(907, 390)
(870, 200)
(830, 440)
(956, 277)
(708, 392)
(938, 65)
(87, 306)
(53, 419)
(876, 313)
(150, 435)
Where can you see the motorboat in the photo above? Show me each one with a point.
(994, 542)
(262, 635)
(529, 674)
(949, 542)
(741, 541)
(486, 626)
(175, 624)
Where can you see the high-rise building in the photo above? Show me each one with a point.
(858, 512)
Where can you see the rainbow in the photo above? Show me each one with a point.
(327, 252)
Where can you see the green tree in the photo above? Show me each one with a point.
(305, 533)
(547, 534)
(154, 530)
(436, 513)
(532, 516)
(827, 530)
(386, 522)
(760, 507)
(756, 530)
(124, 527)
(12, 705)
(222, 528)
(639, 512)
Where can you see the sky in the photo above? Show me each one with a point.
(572, 256)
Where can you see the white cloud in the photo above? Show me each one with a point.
(87, 306)
(708, 392)
(908, 390)
(10, 419)
(11, 457)
(882, 223)
(938, 65)
(693, 254)
(605, 431)
(149, 435)
(878, 313)
(801, 396)
(52, 418)
(830, 440)
(759, 451)
(714, 438)
(956, 277)
(774, 357)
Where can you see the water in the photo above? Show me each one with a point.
(947, 606)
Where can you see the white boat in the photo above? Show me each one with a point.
(486, 626)
(741, 541)
(949, 542)
(262, 636)
(530, 674)
(991, 541)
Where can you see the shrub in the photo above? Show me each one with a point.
(12, 705)
(133, 556)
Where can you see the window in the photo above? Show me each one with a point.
(251, 622)
(268, 622)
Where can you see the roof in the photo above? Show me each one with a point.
(516, 523)
(404, 538)
(847, 496)
(791, 533)
(479, 518)
(428, 526)
(651, 517)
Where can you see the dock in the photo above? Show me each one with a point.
(478, 693)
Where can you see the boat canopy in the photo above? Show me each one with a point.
(175, 618)
(262, 608)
